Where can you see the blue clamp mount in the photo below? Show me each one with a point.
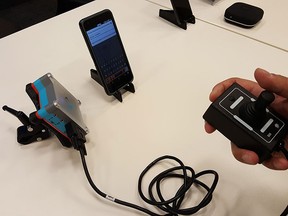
(56, 107)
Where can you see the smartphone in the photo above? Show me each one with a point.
(107, 51)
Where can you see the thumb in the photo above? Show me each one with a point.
(272, 82)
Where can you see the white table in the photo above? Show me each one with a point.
(271, 30)
(174, 72)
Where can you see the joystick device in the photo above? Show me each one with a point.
(247, 121)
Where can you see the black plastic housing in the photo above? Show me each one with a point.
(224, 115)
(243, 15)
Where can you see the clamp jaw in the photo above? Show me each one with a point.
(28, 132)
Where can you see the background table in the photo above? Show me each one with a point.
(174, 72)
(270, 30)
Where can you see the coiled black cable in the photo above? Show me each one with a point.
(172, 207)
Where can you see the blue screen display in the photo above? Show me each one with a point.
(101, 33)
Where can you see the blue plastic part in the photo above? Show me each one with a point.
(50, 118)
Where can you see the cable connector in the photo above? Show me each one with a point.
(77, 136)
(283, 149)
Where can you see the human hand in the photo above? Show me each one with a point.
(279, 86)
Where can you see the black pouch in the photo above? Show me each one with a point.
(243, 15)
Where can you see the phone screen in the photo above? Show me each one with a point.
(182, 9)
(107, 51)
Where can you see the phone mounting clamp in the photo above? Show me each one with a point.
(118, 93)
(57, 109)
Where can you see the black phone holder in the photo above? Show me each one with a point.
(171, 16)
(118, 93)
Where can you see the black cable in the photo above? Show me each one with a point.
(172, 206)
(106, 196)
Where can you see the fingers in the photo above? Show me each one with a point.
(275, 83)
(272, 82)
(277, 162)
(218, 89)
(249, 85)
(208, 128)
(244, 156)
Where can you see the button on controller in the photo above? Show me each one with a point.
(247, 120)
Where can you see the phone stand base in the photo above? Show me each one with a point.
(118, 94)
(170, 16)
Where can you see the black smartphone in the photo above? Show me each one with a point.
(107, 51)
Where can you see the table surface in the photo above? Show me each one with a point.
(174, 72)
(270, 30)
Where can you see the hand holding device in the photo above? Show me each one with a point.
(273, 83)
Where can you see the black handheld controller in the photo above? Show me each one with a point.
(247, 121)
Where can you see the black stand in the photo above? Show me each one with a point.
(129, 87)
(170, 16)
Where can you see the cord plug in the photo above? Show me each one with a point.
(283, 149)
(77, 136)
